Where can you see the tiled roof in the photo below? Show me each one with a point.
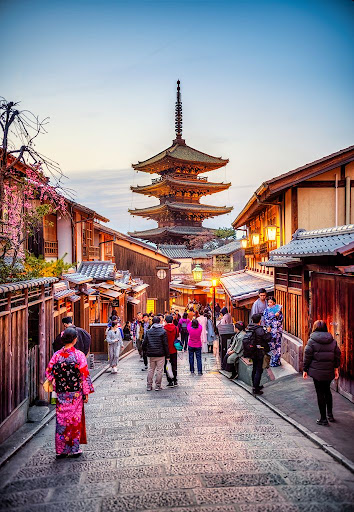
(184, 153)
(21, 285)
(98, 269)
(172, 182)
(176, 230)
(245, 284)
(318, 242)
(229, 248)
(182, 206)
(181, 251)
(77, 278)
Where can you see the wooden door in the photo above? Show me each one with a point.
(332, 301)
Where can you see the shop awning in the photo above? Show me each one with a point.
(133, 300)
(242, 286)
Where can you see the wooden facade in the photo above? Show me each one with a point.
(26, 326)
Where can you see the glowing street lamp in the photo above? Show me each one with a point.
(197, 273)
(271, 233)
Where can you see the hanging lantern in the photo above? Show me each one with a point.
(244, 243)
(271, 233)
(214, 283)
(255, 239)
(197, 273)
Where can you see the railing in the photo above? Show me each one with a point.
(249, 251)
(50, 249)
(94, 252)
(180, 177)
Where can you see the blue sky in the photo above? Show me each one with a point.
(267, 84)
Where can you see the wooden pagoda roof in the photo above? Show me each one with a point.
(170, 184)
(158, 234)
(181, 207)
(179, 154)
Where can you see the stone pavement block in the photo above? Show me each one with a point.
(238, 495)
(148, 500)
(301, 465)
(156, 484)
(193, 468)
(247, 466)
(197, 508)
(41, 483)
(269, 507)
(242, 480)
(205, 456)
(23, 498)
(318, 493)
(30, 472)
(83, 491)
(122, 473)
(291, 453)
(67, 506)
(145, 460)
(312, 478)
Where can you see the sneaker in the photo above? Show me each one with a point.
(192, 373)
(330, 418)
(322, 422)
(114, 370)
(149, 388)
(158, 389)
(170, 385)
(200, 373)
(257, 391)
(175, 383)
(144, 369)
(61, 456)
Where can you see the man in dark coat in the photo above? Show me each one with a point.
(156, 346)
(262, 339)
(83, 337)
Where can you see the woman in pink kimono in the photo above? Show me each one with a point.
(68, 372)
(203, 321)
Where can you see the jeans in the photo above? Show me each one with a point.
(257, 369)
(198, 355)
(324, 397)
(173, 359)
(145, 358)
(156, 363)
(184, 339)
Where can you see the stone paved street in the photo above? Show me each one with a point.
(205, 446)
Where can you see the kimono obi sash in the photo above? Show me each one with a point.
(67, 377)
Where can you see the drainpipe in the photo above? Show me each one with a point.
(336, 200)
(347, 200)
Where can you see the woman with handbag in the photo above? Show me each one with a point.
(115, 343)
(68, 373)
(172, 335)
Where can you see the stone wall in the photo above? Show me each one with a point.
(292, 351)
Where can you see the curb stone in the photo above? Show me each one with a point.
(313, 437)
(48, 418)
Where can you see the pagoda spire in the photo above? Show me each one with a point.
(178, 116)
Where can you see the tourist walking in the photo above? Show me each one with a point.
(115, 343)
(273, 321)
(235, 351)
(68, 372)
(83, 337)
(226, 330)
(172, 335)
(195, 345)
(156, 346)
(182, 325)
(203, 320)
(321, 362)
(259, 339)
(139, 334)
(210, 333)
(146, 326)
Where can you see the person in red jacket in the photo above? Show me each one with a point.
(172, 334)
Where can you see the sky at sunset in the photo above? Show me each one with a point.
(267, 84)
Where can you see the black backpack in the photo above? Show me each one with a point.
(184, 326)
(249, 344)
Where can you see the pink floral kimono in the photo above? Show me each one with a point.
(69, 373)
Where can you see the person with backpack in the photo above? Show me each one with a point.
(156, 346)
(172, 335)
(195, 345)
(182, 325)
(255, 346)
(321, 362)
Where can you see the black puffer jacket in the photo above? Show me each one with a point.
(262, 337)
(322, 356)
(155, 342)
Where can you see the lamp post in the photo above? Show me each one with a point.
(197, 273)
(214, 283)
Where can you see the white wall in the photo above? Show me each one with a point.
(64, 239)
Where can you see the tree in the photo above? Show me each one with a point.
(26, 191)
(212, 239)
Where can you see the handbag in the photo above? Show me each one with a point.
(48, 386)
(169, 370)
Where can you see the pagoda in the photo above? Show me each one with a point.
(179, 188)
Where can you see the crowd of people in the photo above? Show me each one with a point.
(158, 340)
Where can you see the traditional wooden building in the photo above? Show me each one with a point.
(228, 258)
(314, 196)
(314, 279)
(179, 188)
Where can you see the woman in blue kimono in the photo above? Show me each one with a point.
(273, 321)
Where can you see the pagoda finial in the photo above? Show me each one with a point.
(178, 116)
